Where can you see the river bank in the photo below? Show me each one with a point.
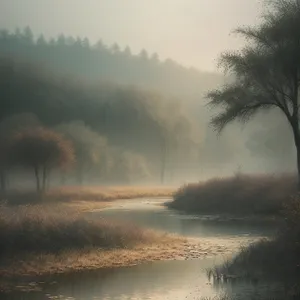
(89, 259)
(189, 244)
(244, 195)
(87, 197)
(42, 240)
(167, 248)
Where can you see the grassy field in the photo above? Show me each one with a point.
(240, 194)
(108, 193)
(87, 259)
(88, 197)
(47, 239)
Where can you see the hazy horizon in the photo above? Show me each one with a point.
(192, 32)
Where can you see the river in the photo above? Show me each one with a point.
(182, 279)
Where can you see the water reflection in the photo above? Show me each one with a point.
(160, 281)
(244, 289)
(172, 280)
(150, 214)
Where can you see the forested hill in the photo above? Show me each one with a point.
(63, 83)
(77, 56)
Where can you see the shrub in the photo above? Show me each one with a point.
(48, 229)
(244, 194)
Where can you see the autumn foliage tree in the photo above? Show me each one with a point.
(89, 147)
(8, 126)
(41, 150)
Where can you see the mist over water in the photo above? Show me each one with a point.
(131, 166)
(141, 104)
(143, 115)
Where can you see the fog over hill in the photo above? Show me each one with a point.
(111, 85)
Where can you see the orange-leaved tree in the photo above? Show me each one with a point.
(42, 150)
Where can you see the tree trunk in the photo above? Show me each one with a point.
(295, 119)
(37, 178)
(80, 176)
(297, 144)
(163, 163)
(63, 178)
(45, 173)
(3, 182)
(298, 165)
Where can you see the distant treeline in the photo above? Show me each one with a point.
(75, 57)
(137, 122)
(98, 61)
(137, 103)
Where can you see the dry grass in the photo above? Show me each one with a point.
(68, 261)
(44, 239)
(254, 296)
(266, 261)
(54, 236)
(90, 197)
(108, 193)
(85, 205)
(48, 228)
(240, 194)
(48, 239)
(276, 260)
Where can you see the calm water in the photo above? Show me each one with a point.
(153, 214)
(159, 280)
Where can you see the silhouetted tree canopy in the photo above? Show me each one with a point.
(267, 71)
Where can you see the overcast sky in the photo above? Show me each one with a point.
(193, 32)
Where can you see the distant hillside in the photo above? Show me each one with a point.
(105, 68)
(100, 62)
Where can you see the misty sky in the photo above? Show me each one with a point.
(193, 32)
